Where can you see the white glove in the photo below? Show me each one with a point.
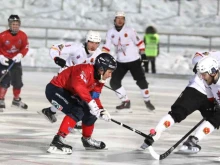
(94, 109)
(17, 58)
(3, 60)
(105, 115)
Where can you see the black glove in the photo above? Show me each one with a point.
(59, 61)
(216, 106)
(143, 57)
(194, 69)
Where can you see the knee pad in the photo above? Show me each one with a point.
(115, 84)
(143, 84)
(178, 114)
(5, 85)
(17, 85)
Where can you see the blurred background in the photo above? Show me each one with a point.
(184, 26)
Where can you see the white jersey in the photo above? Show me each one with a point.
(213, 91)
(197, 82)
(77, 53)
(126, 42)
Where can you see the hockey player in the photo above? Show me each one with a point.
(193, 98)
(78, 54)
(128, 45)
(75, 91)
(13, 47)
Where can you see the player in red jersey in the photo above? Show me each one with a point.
(13, 47)
(75, 91)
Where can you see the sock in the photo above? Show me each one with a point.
(145, 94)
(87, 130)
(2, 92)
(16, 93)
(204, 129)
(165, 123)
(53, 109)
(66, 126)
(123, 94)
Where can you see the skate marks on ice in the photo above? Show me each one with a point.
(25, 136)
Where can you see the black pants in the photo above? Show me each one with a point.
(137, 73)
(191, 100)
(14, 77)
(152, 61)
(72, 106)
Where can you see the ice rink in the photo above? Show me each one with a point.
(25, 135)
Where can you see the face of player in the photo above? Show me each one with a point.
(15, 26)
(208, 78)
(92, 46)
(119, 21)
(107, 74)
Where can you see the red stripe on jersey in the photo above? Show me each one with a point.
(139, 43)
(106, 49)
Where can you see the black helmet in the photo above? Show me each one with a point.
(105, 61)
(11, 19)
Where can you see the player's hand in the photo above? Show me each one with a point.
(4, 60)
(17, 58)
(105, 115)
(59, 61)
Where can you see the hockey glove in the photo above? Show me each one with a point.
(94, 109)
(104, 115)
(59, 61)
(17, 58)
(3, 60)
(216, 106)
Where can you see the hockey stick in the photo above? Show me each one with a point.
(150, 148)
(7, 70)
(128, 127)
(168, 152)
(113, 90)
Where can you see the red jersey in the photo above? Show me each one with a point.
(79, 80)
(11, 45)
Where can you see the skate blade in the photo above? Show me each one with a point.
(95, 149)
(40, 113)
(16, 107)
(55, 150)
(126, 110)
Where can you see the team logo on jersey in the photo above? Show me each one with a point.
(7, 42)
(126, 35)
(83, 77)
(60, 47)
(113, 36)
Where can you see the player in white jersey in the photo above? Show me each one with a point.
(193, 98)
(128, 45)
(78, 54)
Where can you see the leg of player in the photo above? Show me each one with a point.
(190, 146)
(165, 123)
(125, 104)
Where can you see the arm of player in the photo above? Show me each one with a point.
(137, 41)
(107, 45)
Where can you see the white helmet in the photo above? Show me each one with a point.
(119, 14)
(93, 36)
(208, 64)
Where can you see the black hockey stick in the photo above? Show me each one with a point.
(128, 127)
(113, 90)
(7, 70)
(168, 152)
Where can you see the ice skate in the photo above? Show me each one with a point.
(2, 105)
(190, 146)
(149, 105)
(48, 114)
(19, 104)
(92, 144)
(58, 146)
(125, 106)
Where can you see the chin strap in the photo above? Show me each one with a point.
(101, 80)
